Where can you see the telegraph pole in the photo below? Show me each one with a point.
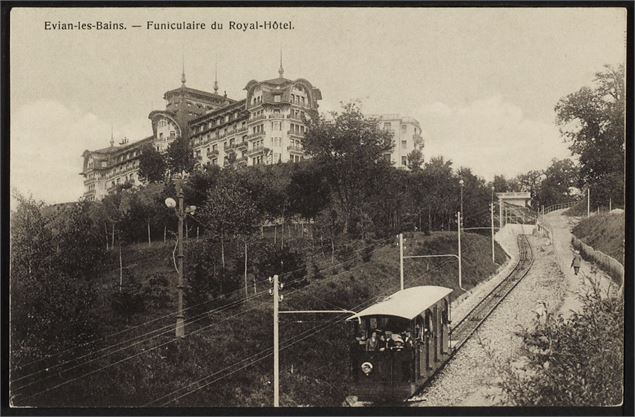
(246, 288)
(588, 201)
(180, 319)
(276, 341)
(401, 260)
(491, 212)
(458, 218)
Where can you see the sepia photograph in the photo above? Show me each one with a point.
(317, 208)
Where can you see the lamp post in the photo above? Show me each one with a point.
(181, 212)
(461, 183)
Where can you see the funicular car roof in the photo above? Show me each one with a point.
(406, 303)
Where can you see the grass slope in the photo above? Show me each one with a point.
(206, 368)
(604, 232)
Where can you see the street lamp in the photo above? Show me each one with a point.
(181, 212)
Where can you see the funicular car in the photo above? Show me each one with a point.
(399, 343)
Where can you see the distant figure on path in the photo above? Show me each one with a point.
(577, 260)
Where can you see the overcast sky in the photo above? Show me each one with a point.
(482, 82)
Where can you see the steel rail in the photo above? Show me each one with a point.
(485, 305)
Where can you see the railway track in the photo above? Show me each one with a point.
(462, 331)
(466, 327)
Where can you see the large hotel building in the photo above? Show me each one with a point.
(265, 127)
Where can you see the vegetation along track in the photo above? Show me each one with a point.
(466, 327)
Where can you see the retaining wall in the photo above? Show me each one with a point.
(611, 265)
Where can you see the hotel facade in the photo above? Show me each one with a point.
(265, 127)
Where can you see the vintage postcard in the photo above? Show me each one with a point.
(317, 207)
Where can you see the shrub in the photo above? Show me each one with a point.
(367, 253)
(128, 301)
(572, 362)
(156, 291)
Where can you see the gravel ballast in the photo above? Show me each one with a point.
(471, 377)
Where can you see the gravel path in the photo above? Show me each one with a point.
(471, 378)
(561, 226)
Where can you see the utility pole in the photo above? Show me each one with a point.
(120, 268)
(276, 341)
(458, 218)
(246, 289)
(500, 213)
(610, 207)
(588, 202)
(181, 212)
(401, 259)
(461, 183)
(180, 319)
(491, 211)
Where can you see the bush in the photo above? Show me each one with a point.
(156, 291)
(128, 302)
(572, 362)
(367, 253)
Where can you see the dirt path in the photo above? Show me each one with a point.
(471, 378)
(561, 226)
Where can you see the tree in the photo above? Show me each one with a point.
(152, 165)
(349, 148)
(198, 185)
(591, 120)
(476, 199)
(500, 183)
(415, 160)
(54, 256)
(229, 210)
(560, 176)
(444, 191)
(530, 182)
(308, 189)
(179, 156)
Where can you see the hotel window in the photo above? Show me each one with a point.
(404, 144)
(404, 127)
(404, 160)
(386, 125)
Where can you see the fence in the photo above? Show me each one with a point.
(611, 265)
(560, 206)
(543, 230)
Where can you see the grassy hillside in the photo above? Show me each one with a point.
(225, 359)
(604, 232)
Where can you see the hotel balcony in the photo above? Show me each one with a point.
(257, 150)
(295, 148)
(212, 153)
(296, 118)
(255, 135)
(295, 134)
(257, 118)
